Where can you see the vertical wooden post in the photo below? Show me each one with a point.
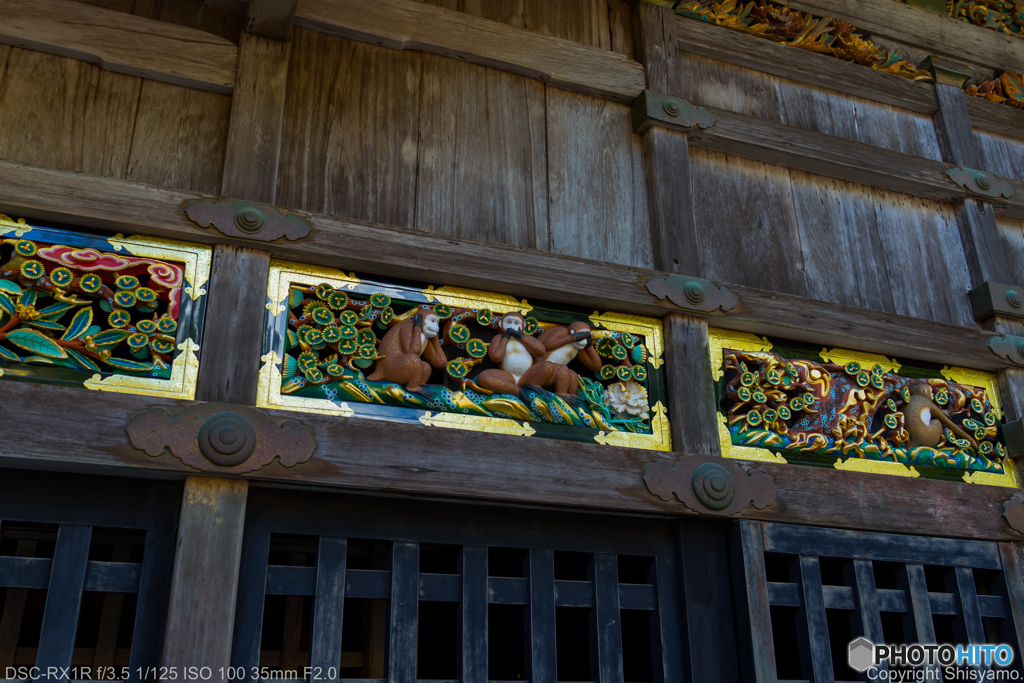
(204, 585)
(691, 393)
(979, 234)
(666, 152)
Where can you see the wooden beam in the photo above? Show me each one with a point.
(271, 18)
(996, 118)
(835, 157)
(920, 28)
(752, 52)
(410, 25)
(201, 611)
(387, 251)
(691, 389)
(455, 465)
(121, 42)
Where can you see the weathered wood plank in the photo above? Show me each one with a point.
(931, 32)
(620, 23)
(253, 146)
(1000, 154)
(460, 464)
(581, 21)
(691, 392)
(559, 61)
(65, 113)
(271, 19)
(591, 150)
(511, 12)
(711, 83)
(350, 129)
(993, 117)
(121, 43)
(746, 223)
(201, 613)
(388, 251)
(180, 138)
(753, 52)
(196, 14)
(482, 164)
(233, 328)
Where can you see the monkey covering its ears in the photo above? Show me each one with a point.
(402, 347)
(562, 345)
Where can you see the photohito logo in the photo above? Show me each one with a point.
(863, 654)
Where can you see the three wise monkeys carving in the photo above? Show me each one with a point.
(411, 349)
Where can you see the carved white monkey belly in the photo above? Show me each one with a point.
(517, 359)
(563, 355)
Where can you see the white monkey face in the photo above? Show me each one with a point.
(581, 344)
(431, 326)
(512, 323)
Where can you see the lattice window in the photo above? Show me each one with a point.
(810, 591)
(84, 572)
(397, 592)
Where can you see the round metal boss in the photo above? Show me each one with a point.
(250, 219)
(982, 181)
(1013, 298)
(672, 108)
(713, 486)
(227, 439)
(694, 293)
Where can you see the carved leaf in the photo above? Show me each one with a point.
(9, 355)
(6, 305)
(79, 324)
(36, 342)
(81, 361)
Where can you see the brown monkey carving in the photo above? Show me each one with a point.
(515, 351)
(918, 414)
(562, 345)
(403, 346)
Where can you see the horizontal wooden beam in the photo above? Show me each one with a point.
(121, 42)
(834, 157)
(753, 52)
(389, 251)
(996, 118)
(926, 30)
(410, 25)
(483, 467)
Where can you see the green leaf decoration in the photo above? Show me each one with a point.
(8, 355)
(28, 297)
(6, 305)
(47, 325)
(110, 338)
(130, 365)
(79, 324)
(294, 299)
(55, 310)
(290, 367)
(81, 361)
(92, 331)
(9, 287)
(105, 305)
(141, 353)
(33, 341)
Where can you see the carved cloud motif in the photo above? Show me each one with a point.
(709, 485)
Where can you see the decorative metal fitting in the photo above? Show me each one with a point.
(1013, 437)
(692, 293)
(1013, 512)
(1009, 348)
(655, 109)
(220, 437)
(709, 485)
(980, 182)
(945, 72)
(235, 218)
(991, 298)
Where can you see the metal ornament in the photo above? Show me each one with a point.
(709, 485)
(980, 182)
(991, 298)
(235, 218)
(1009, 348)
(692, 293)
(655, 109)
(218, 437)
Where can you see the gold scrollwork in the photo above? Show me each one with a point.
(284, 273)
(718, 340)
(977, 378)
(650, 329)
(1009, 478)
(8, 226)
(472, 298)
(876, 467)
(268, 393)
(660, 438)
(731, 450)
(867, 360)
(478, 424)
(182, 384)
(196, 257)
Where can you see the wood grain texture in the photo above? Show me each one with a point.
(953, 128)
(482, 160)
(373, 456)
(197, 14)
(920, 28)
(1011, 232)
(596, 181)
(253, 146)
(620, 23)
(201, 613)
(511, 12)
(350, 129)
(691, 392)
(713, 83)
(121, 43)
(746, 223)
(557, 58)
(753, 52)
(1000, 154)
(270, 19)
(581, 21)
(658, 47)
(993, 117)
(388, 251)
(233, 327)
(180, 138)
(65, 113)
